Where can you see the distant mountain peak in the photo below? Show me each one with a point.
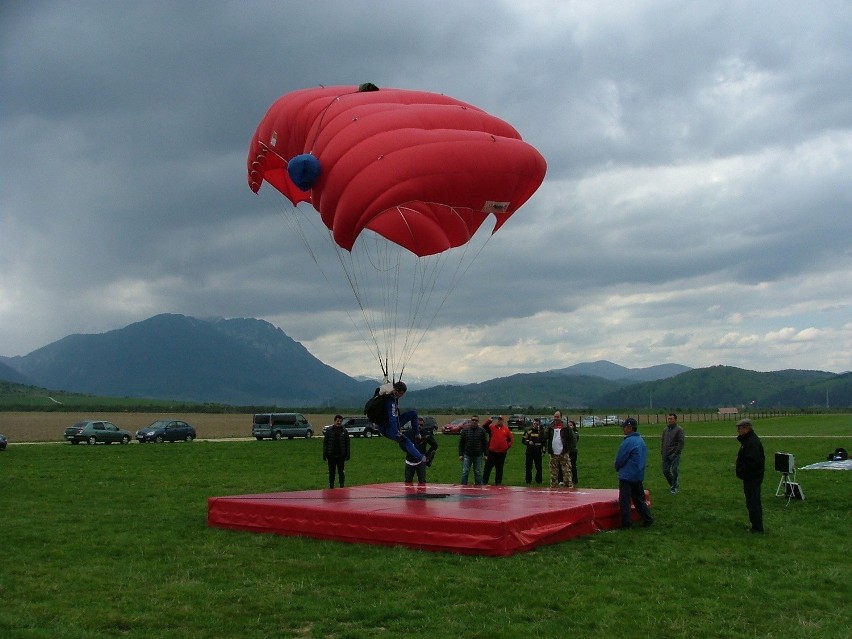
(170, 356)
(608, 370)
(249, 362)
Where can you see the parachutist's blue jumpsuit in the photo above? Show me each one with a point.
(395, 422)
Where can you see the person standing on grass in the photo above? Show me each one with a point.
(572, 449)
(533, 440)
(427, 445)
(670, 448)
(630, 465)
(499, 442)
(751, 465)
(559, 440)
(335, 451)
(572, 452)
(473, 442)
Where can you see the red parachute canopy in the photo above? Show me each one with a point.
(421, 169)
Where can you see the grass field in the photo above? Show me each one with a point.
(111, 541)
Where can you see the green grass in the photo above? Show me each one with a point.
(111, 541)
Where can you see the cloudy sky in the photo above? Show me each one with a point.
(697, 207)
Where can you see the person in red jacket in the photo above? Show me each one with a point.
(501, 440)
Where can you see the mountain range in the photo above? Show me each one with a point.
(249, 362)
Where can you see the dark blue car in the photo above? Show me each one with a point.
(166, 430)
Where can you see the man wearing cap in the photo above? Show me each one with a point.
(630, 465)
(751, 464)
(532, 441)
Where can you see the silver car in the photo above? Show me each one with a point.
(95, 431)
(357, 427)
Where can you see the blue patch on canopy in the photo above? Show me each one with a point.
(304, 170)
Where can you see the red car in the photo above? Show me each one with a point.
(455, 426)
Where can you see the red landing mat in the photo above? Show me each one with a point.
(481, 520)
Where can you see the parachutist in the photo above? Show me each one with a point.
(392, 426)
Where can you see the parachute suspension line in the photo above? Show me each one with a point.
(297, 221)
(393, 288)
(420, 293)
(462, 267)
(404, 312)
(417, 297)
(376, 262)
(269, 149)
(384, 261)
(294, 218)
(349, 267)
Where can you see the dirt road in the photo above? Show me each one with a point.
(46, 427)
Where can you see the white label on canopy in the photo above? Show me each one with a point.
(495, 207)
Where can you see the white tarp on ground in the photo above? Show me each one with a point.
(846, 464)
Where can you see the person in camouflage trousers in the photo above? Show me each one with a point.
(559, 439)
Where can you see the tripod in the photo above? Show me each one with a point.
(789, 487)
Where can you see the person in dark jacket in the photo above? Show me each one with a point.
(671, 446)
(533, 440)
(427, 445)
(559, 440)
(572, 452)
(630, 464)
(335, 451)
(751, 464)
(473, 442)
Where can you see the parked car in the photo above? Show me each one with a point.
(357, 427)
(3, 442)
(545, 421)
(166, 430)
(591, 420)
(518, 421)
(429, 423)
(94, 431)
(611, 420)
(456, 426)
(280, 425)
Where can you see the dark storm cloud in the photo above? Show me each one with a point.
(698, 161)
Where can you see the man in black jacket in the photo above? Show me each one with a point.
(533, 440)
(427, 445)
(751, 464)
(473, 442)
(559, 440)
(335, 451)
